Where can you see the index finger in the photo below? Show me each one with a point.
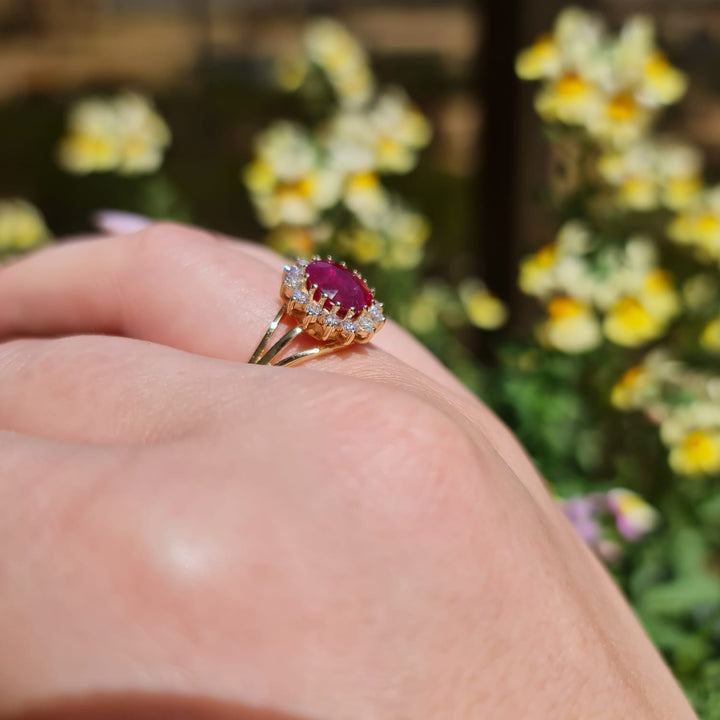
(168, 284)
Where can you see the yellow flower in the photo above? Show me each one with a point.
(366, 246)
(340, 56)
(483, 309)
(571, 326)
(574, 39)
(662, 84)
(330, 45)
(629, 323)
(620, 119)
(648, 173)
(365, 196)
(698, 225)
(21, 226)
(569, 99)
(679, 192)
(542, 59)
(558, 266)
(629, 392)
(640, 65)
(537, 271)
(710, 337)
(697, 453)
(679, 170)
(659, 296)
(400, 130)
(122, 134)
(288, 180)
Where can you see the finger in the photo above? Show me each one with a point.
(168, 284)
(109, 389)
(191, 290)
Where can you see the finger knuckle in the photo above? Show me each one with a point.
(419, 453)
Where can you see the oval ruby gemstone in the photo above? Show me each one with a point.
(339, 284)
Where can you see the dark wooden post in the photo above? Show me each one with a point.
(498, 159)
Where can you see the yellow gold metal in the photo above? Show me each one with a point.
(301, 357)
(280, 345)
(319, 318)
(260, 349)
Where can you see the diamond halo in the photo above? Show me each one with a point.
(320, 311)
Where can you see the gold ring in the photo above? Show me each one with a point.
(331, 303)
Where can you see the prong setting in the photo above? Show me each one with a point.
(319, 313)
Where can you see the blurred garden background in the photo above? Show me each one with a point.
(529, 186)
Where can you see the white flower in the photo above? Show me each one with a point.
(123, 134)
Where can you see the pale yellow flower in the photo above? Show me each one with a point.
(639, 64)
(697, 453)
(385, 138)
(632, 388)
(569, 99)
(662, 84)
(679, 170)
(630, 323)
(610, 86)
(619, 119)
(575, 37)
(400, 130)
(558, 266)
(288, 180)
(710, 336)
(698, 225)
(537, 272)
(658, 295)
(21, 226)
(365, 196)
(647, 174)
(340, 56)
(123, 134)
(483, 309)
(571, 326)
(542, 59)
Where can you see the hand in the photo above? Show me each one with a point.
(355, 538)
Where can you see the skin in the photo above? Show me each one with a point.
(355, 538)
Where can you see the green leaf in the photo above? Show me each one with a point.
(681, 596)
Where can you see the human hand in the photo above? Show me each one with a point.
(356, 538)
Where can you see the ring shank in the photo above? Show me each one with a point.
(264, 355)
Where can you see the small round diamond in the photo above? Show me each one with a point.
(366, 324)
(314, 309)
(331, 321)
(349, 326)
(294, 277)
(375, 313)
(300, 297)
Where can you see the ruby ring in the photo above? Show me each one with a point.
(331, 303)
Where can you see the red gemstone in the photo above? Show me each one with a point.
(339, 285)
